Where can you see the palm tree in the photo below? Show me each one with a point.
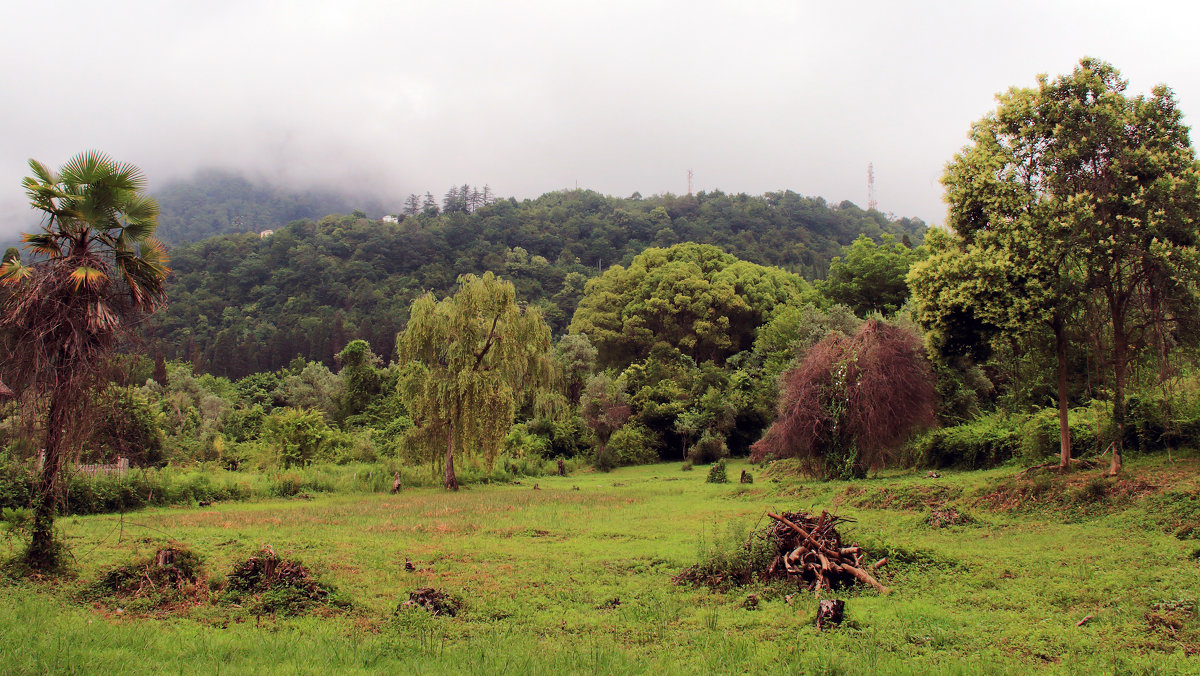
(94, 270)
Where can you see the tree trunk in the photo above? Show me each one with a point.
(42, 553)
(1064, 427)
(451, 480)
(1119, 366)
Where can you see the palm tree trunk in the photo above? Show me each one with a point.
(42, 553)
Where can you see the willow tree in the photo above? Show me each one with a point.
(468, 362)
(95, 269)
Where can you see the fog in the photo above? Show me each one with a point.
(389, 98)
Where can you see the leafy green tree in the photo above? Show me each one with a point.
(468, 360)
(360, 378)
(1072, 196)
(692, 297)
(871, 277)
(95, 269)
(298, 435)
(576, 359)
(127, 426)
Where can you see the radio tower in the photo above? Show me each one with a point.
(871, 203)
(689, 182)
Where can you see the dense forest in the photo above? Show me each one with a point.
(242, 303)
(216, 202)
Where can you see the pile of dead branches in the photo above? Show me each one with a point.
(794, 546)
(809, 550)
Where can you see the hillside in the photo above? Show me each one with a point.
(215, 202)
(241, 303)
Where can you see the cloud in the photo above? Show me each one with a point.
(391, 98)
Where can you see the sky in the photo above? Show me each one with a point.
(391, 98)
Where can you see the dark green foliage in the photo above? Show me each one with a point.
(241, 303)
(710, 448)
(717, 473)
(983, 442)
(127, 426)
(869, 277)
(632, 445)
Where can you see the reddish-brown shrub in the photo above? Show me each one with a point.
(850, 401)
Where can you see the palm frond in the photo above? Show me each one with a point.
(88, 276)
(87, 168)
(14, 272)
(45, 243)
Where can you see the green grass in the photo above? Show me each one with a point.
(539, 570)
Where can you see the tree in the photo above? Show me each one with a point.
(693, 297)
(870, 277)
(605, 408)
(468, 361)
(95, 269)
(1073, 196)
(850, 401)
(360, 379)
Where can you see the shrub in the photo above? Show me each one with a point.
(710, 448)
(717, 473)
(632, 445)
(851, 401)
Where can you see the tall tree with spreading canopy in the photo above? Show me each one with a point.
(468, 362)
(1073, 195)
(95, 269)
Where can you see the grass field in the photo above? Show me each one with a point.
(575, 577)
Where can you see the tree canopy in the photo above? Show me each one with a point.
(693, 297)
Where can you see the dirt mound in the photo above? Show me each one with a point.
(272, 584)
(172, 577)
(436, 602)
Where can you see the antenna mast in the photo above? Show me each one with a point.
(871, 203)
(689, 182)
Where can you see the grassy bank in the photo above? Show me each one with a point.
(574, 577)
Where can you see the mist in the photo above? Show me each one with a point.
(386, 99)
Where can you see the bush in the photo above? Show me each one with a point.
(632, 445)
(984, 442)
(710, 448)
(717, 473)
(994, 439)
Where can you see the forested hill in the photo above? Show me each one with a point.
(215, 202)
(240, 303)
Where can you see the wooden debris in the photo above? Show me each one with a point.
(816, 556)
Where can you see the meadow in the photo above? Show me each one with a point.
(575, 577)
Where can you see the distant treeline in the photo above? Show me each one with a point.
(242, 303)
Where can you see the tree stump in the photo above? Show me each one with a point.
(396, 483)
(562, 469)
(830, 611)
(164, 557)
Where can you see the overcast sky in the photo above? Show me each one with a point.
(617, 96)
